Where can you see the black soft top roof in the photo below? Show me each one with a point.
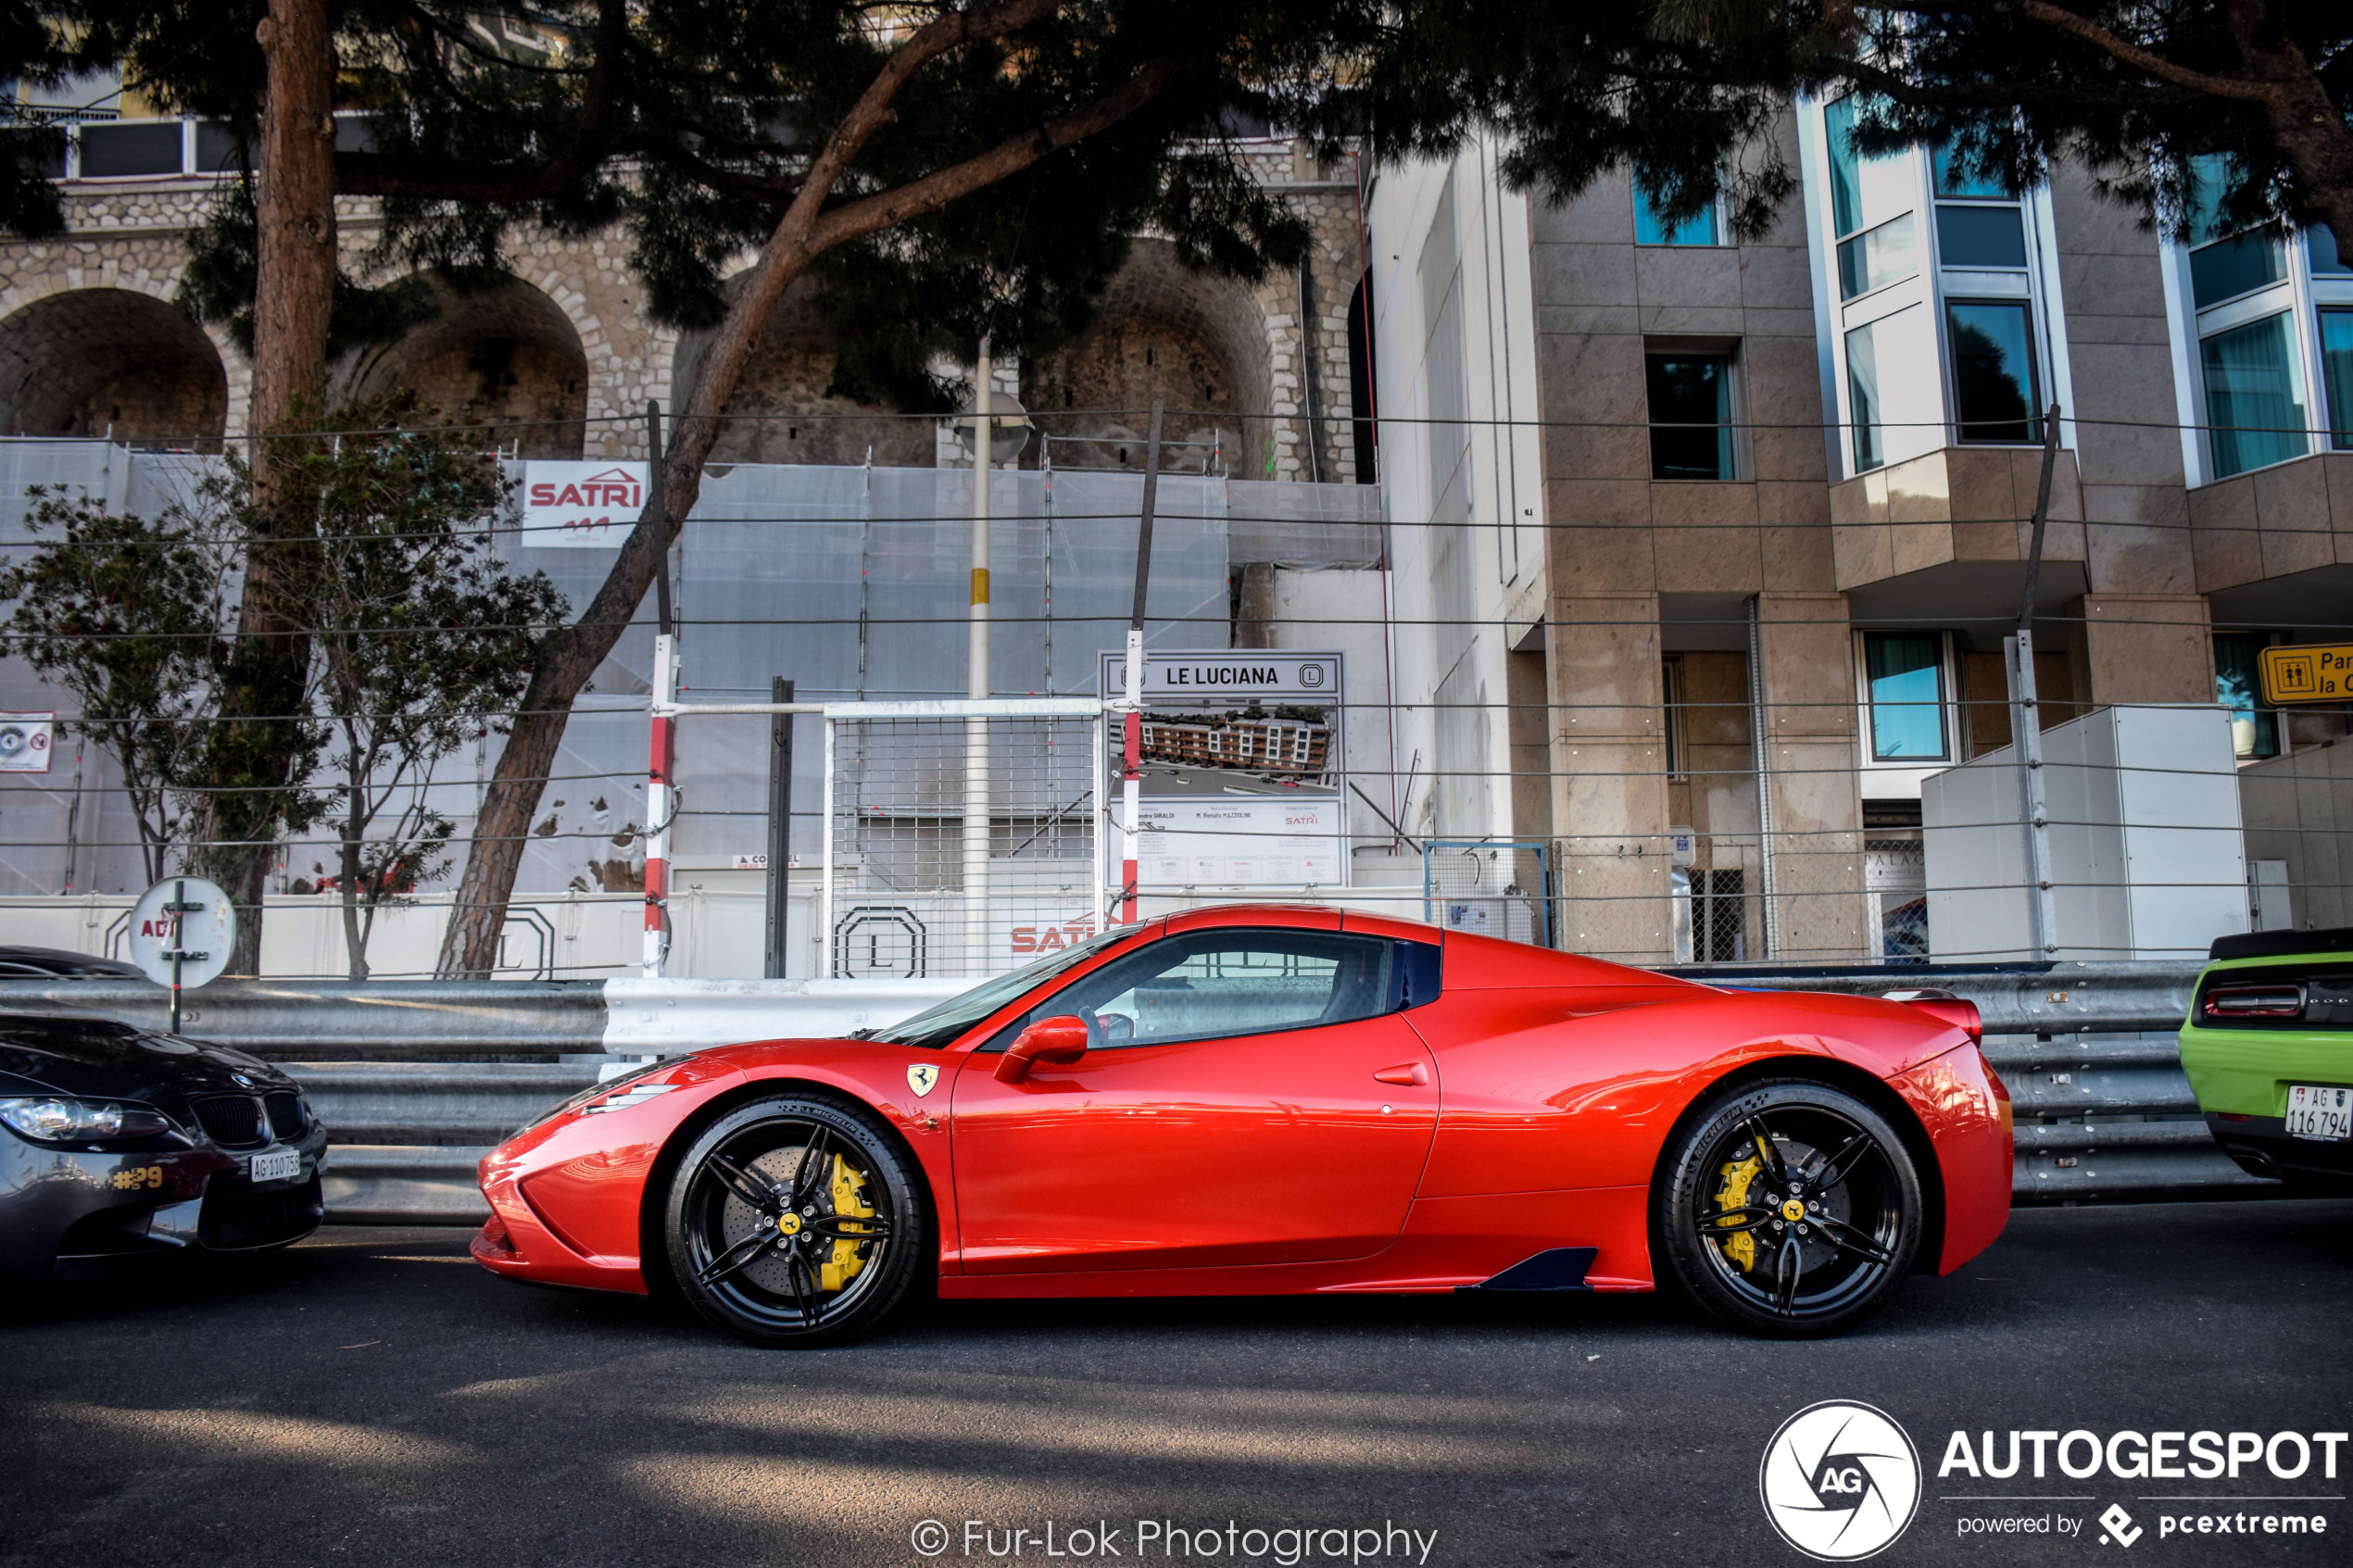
(2282, 943)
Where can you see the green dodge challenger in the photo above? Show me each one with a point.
(2269, 1050)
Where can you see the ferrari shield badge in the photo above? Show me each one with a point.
(921, 1077)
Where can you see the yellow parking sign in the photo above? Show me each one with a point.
(2307, 672)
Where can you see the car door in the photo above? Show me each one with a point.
(1247, 1097)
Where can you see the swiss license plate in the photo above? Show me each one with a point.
(277, 1164)
(2319, 1112)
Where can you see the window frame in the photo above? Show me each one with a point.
(2260, 716)
(1899, 778)
(1393, 999)
(1716, 225)
(2036, 403)
(2304, 292)
(1728, 426)
(1906, 425)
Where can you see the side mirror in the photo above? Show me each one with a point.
(1061, 1041)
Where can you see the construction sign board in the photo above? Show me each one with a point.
(1244, 767)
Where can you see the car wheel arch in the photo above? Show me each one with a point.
(653, 1252)
(1872, 1089)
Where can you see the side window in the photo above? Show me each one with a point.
(1215, 984)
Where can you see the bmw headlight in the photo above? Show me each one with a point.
(57, 1118)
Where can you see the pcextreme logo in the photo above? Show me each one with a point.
(1841, 1481)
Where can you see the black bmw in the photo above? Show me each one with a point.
(117, 1143)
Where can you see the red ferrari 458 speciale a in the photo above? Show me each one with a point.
(1256, 1100)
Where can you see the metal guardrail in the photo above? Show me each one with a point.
(341, 1021)
(417, 1080)
(2090, 1056)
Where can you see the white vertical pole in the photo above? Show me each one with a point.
(976, 810)
(1100, 796)
(824, 966)
(1131, 789)
(2034, 816)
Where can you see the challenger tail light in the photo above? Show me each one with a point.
(1956, 1010)
(2254, 1001)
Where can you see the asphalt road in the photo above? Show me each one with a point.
(371, 1396)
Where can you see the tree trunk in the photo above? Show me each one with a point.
(470, 944)
(355, 941)
(249, 758)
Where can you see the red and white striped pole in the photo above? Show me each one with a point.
(659, 808)
(1131, 790)
(660, 799)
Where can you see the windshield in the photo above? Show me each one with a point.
(936, 1027)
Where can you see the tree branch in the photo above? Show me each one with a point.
(2140, 60)
(886, 208)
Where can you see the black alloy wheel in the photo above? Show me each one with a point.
(795, 1221)
(1790, 1208)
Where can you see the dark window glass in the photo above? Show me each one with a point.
(2241, 264)
(1690, 397)
(2253, 404)
(1216, 985)
(1651, 229)
(1863, 399)
(216, 148)
(2255, 731)
(1877, 257)
(129, 146)
(355, 133)
(1907, 675)
(2336, 370)
(2320, 245)
(41, 148)
(1993, 371)
(1980, 236)
(1953, 180)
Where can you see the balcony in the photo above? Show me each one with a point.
(2276, 546)
(1956, 505)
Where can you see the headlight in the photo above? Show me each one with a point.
(55, 1119)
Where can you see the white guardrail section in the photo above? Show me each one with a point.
(416, 1079)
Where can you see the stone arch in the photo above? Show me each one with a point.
(1196, 340)
(504, 354)
(780, 412)
(81, 361)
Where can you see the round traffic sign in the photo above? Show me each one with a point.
(208, 929)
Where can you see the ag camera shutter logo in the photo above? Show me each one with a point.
(1841, 1481)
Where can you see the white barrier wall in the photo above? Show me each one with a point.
(2147, 857)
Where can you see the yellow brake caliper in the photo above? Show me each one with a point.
(1740, 1249)
(849, 1203)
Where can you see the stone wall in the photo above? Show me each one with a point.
(568, 343)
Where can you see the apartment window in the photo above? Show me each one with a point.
(1871, 207)
(1905, 687)
(1994, 391)
(2255, 730)
(1978, 221)
(2254, 396)
(2336, 374)
(2270, 334)
(1651, 229)
(1691, 402)
(1671, 688)
(1863, 399)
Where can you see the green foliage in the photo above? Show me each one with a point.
(690, 123)
(1688, 94)
(132, 617)
(421, 641)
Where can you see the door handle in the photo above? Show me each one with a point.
(1405, 1072)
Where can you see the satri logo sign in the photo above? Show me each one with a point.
(581, 506)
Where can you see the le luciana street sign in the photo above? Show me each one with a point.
(181, 930)
(2307, 672)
